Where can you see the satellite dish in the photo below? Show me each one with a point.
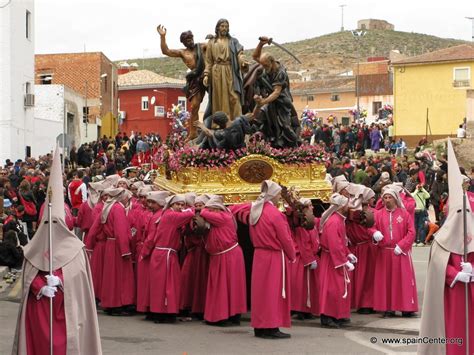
(153, 100)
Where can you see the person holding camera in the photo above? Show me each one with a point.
(421, 214)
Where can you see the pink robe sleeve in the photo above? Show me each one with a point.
(451, 273)
(337, 248)
(306, 247)
(180, 219)
(94, 233)
(217, 219)
(282, 230)
(37, 284)
(407, 241)
(122, 231)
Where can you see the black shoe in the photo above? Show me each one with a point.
(117, 311)
(235, 319)
(408, 314)
(299, 315)
(329, 322)
(389, 314)
(275, 333)
(221, 323)
(261, 333)
(365, 311)
(343, 321)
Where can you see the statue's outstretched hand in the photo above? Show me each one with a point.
(161, 30)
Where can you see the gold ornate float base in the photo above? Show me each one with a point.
(241, 181)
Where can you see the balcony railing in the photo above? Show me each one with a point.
(461, 83)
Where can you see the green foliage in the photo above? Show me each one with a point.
(327, 54)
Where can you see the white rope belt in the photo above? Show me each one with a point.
(227, 250)
(169, 250)
(283, 290)
(111, 238)
(308, 295)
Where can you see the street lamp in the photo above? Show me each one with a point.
(357, 34)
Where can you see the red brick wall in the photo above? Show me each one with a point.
(145, 121)
(75, 69)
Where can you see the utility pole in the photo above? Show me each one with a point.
(86, 121)
(358, 34)
(472, 32)
(342, 16)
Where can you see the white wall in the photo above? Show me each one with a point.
(48, 117)
(365, 102)
(16, 69)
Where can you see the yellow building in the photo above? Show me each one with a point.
(332, 96)
(433, 93)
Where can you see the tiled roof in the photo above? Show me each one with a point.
(332, 84)
(145, 77)
(462, 52)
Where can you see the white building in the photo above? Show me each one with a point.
(16, 78)
(54, 103)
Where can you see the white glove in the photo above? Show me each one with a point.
(397, 250)
(349, 266)
(352, 258)
(378, 236)
(466, 267)
(53, 280)
(463, 277)
(313, 265)
(48, 291)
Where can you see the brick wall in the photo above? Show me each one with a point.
(82, 72)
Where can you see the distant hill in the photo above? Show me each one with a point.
(325, 55)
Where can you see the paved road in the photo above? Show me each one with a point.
(134, 335)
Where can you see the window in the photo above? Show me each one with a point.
(462, 77)
(28, 88)
(46, 79)
(376, 106)
(182, 101)
(159, 111)
(105, 84)
(144, 103)
(310, 98)
(28, 24)
(335, 97)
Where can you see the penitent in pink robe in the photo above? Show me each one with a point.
(362, 278)
(95, 247)
(394, 280)
(194, 273)
(117, 282)
(454, 306)
(164, 264)
(334, 282)
(304, 281)
(144, 248)
(226, 287)
(37, 318)
(85, 219)
(271, 286)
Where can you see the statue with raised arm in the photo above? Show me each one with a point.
(274, 104)
(193, 58)
(225, 63)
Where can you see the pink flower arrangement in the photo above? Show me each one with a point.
(185, 156)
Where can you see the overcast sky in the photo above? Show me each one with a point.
(127, 29)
